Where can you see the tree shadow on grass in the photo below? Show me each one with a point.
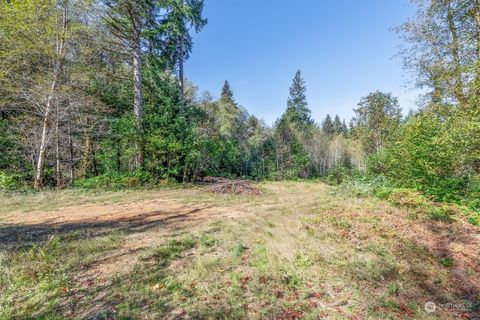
(458, 250)
(444, 260)
(93, 297)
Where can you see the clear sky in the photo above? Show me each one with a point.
(344, 48)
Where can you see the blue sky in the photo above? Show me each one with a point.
(345, 49)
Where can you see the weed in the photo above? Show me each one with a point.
(390, 304)
(173, 248)
(475, 220)
(207, 240)
(40, 275)
(298, 262)
(342, 223)
(393, 288)
(302, 261)
(441, 213)
(447, 262)
(239, 249)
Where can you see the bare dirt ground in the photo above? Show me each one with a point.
(147, 224)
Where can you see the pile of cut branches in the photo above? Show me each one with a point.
(227, 186)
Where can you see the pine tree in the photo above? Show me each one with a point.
(231, 116)
(227, 94)
(337, 125)
(134, 22)
(327, 125)
(344, 128)
(297, 105)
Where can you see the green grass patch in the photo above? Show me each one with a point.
(33, 281)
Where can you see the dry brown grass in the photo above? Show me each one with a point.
(301, 250)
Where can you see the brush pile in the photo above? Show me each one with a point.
(227, 186)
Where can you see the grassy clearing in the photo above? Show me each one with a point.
(300, 251)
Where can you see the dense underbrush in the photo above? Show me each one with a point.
(420, 203)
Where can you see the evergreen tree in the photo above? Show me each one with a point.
(337, 125)
(327, 125)
(160, 24)
(344, 128)
(297, 105)
(227, 94)
(231, 117)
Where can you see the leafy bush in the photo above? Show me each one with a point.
(10, 181)
(380, 187)
(367, 184)
(435, 153)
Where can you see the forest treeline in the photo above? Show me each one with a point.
(93, 92)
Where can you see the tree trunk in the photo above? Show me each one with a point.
(138, 90)
(87, 162)
(60, 46)
(57, 150)
(458, 87)
(43, 142)
(119, 156)
(181, 75)
(70, 145)
(476, 16)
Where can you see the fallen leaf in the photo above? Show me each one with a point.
(157, 286)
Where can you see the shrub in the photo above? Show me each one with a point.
(441, 213)
(436, 153)
(362, 185)
(407, 198)
(10, 181)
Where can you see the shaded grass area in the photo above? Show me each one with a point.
(302, 251)
(34, 281)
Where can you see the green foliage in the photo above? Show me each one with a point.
(297, 106)
(429, 155)
(327, 125)
(10, 181)
(441, 212)
(447, 262)
(368, 184)
(39, 275)
(208, 241)
(407, 198)
(9, 155)
(337, 175)
(434, 154)
(227, 94)
(117, 181)
(173, 249)
(239, 249)
(393, 288)
(376, 120)
(292, 131)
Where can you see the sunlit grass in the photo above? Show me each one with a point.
(300, 249)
